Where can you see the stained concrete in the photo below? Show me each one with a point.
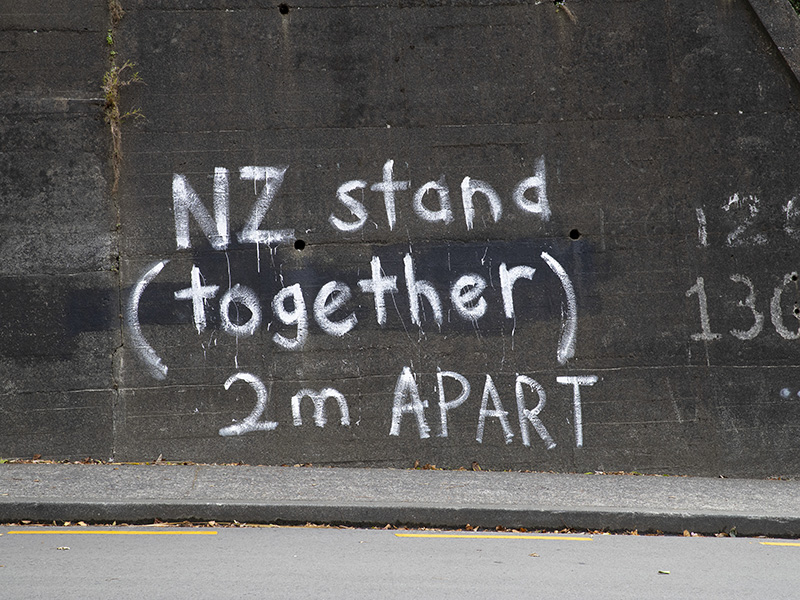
(656, 146)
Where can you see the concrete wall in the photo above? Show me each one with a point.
(58, 294)
(583, 216)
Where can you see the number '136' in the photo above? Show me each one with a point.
(749, 302)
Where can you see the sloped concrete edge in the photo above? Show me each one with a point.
(783, 26)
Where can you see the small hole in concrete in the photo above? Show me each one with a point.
(299, 244)
(574, 234)
(284, 8)
(794, 276)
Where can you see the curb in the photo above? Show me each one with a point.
(373, 515)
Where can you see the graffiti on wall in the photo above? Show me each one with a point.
(386, 289)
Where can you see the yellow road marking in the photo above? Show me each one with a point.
(95, 532)
(780, 543)
(493, 537)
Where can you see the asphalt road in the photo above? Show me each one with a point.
(306, 562)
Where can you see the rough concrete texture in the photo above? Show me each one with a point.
(583, 216)
(58, 295)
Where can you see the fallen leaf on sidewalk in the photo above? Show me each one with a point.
(664, 572)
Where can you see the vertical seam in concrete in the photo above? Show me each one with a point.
(114, 15)
(783, 27)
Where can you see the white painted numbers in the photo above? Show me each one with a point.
(255, 421)
(749, 302)
(739, 222)
(252, 422)
(745, 230)
(705, 335)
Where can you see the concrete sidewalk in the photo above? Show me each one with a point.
(376, 497)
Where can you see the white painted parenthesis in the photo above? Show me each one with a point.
(156, 367)
(569, 328)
